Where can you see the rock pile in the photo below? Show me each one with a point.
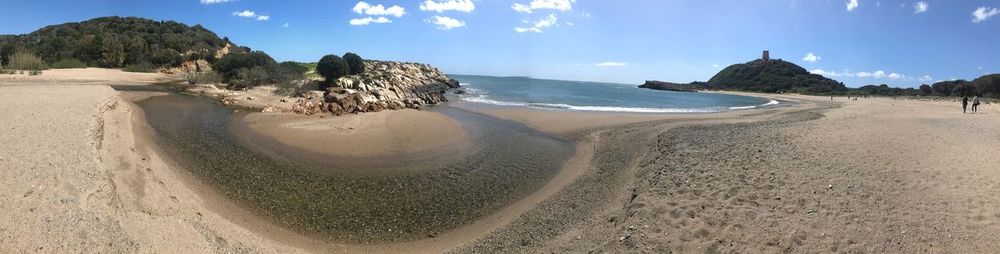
(387, 86)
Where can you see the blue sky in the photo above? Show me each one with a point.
(858, 42)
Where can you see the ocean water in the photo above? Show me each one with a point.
(596, 96)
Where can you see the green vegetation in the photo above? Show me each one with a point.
(68, 64)
(985, 86)
(356, 64)
(249, 69)
(293, 70)
(142, 45)
(25, 61)
(332, 67)
(773, 76)
(116, 42)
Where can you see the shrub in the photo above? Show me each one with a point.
(195, 78)
(332, 67)
(140, 67)
(293, 70)
(355, 62)
(23, 60)
(255, 76)
(68, 63)
(231, 64)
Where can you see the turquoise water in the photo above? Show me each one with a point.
(596, 96)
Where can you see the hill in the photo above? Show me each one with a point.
(116, 42)
(773, 76)
(769, 76)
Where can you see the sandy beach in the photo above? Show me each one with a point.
(81, 171)
(374, 134)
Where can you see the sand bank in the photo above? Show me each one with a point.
(383, 133)
(84, 76)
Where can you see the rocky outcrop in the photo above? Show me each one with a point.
(676, 87)
(388, 86)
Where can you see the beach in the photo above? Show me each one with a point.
(85, 169)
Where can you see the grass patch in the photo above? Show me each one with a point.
(140, 67)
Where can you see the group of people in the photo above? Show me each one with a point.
(965, 104)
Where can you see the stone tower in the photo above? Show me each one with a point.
(767, 56)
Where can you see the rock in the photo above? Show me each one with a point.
(227, 101)
(388, 86)
(269, 109)
(250, 98)
(307, 107)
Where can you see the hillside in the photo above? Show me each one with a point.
(116, 42)
(773, 76)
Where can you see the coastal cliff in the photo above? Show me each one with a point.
(387, 85)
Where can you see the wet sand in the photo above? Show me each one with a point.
(383, 133)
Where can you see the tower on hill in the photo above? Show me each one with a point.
(767, 56)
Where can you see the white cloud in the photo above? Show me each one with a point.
(882, 74)
(446, 23)
(245, 14)
(252, 15)
(207, 2)
(537, 27)
(879, 74)
(811, 58)
(979, 67)
(286, 25)
(570, 23)
(983, 13)
(852, 4)
(369, 20)
(832, 73)
(365, 8)
(926, 78)
(448, 5)
(715, 66)
(921, 7)
(559, 5)
(610, 64)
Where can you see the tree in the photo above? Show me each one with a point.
(112, 52)
(926, 89)
(332, 67)
(355, 62)
(248, 69)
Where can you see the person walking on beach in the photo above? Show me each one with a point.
(975, 104)
(965, 103)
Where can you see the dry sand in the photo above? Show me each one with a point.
(88, 76)
(75, 180)
(370, 134)
(874, 175)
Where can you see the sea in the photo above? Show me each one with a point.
(596, 96)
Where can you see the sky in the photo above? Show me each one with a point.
(858, 42)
